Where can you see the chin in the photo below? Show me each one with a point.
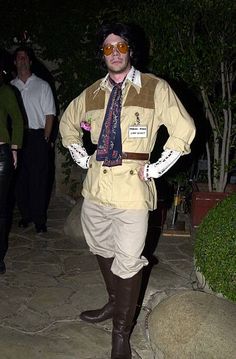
(119, 69)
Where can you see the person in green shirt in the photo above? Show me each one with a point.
(11, 135)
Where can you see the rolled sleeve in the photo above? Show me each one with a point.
(179, 124)
(70, 129)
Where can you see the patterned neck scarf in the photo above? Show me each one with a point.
(109, 147)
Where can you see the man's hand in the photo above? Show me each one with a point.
(14, 155)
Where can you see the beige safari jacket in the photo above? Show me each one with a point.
(146, 100)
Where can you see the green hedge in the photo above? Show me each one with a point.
(215, 248)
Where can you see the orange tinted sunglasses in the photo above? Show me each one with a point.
(122, 47)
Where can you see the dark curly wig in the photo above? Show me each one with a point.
(134, 35)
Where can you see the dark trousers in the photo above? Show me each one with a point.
(31, 187)
(6, 171)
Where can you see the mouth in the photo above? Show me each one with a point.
(115, 62)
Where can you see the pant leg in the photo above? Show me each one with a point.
(6, 170)
(129, 229)
(119, 233)
(51, 174)
(38, 176)
(97, 228)
(22, 180)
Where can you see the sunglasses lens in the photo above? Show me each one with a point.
(121, 46)
(107, 49)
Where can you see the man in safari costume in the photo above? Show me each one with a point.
(123, 111)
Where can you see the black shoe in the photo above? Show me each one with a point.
(40, 228)
(2, 267)
(23, 223)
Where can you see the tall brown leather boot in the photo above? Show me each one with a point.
(127, 294)
(106, 312)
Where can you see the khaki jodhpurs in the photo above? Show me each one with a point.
(119, 233)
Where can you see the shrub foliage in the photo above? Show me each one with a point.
(215, 248)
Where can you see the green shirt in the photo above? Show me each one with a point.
(9, 107)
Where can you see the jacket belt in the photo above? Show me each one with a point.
(135, 156)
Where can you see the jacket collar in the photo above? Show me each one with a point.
(133, 77)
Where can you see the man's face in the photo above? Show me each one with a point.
(22, 61)
(116, 62)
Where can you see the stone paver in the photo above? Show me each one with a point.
(51, 278)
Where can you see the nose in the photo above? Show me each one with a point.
(115, 50)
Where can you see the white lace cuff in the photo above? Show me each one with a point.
(79, 155)
(166, 161)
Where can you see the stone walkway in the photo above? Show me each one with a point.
(50, 279)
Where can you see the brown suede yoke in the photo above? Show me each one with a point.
(145, 98)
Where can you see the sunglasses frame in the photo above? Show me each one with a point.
(117, 47)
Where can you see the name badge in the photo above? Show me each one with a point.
(138, 131)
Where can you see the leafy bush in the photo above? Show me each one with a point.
(215, 248)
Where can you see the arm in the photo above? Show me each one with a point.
(72, 133)
(14, 112)
(181, 131)
(48, 126)
(79, 155)
(155, 170)
(49, 109)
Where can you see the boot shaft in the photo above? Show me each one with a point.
(127, 294)
(105, 267)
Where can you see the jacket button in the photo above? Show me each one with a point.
(131, 172)
(90, 165)
(104, 171)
